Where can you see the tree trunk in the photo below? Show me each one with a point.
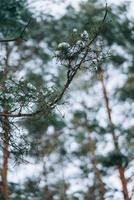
(90, 194)
(4, 169)
(6, 131)
(121, 170)
(124, 183)
(100, 187)
(47, 195)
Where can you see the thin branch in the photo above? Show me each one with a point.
(70, 74)
(18, 37)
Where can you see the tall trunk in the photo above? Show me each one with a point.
(4, 169)
(108, 109)
(100, 187)
(47, 195)
(121, 169)
(6, 130)
(124, 183)
(90, 194)
(63, 195)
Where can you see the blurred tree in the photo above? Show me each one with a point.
(84, 130)
(42, 35)
(117, 34)
(20, 98)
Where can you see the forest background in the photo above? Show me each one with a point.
(66, 100)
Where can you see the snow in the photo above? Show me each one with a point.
(63, 45)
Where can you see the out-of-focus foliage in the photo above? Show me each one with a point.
(13, 17)
(58, 144)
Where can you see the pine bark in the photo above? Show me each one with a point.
(4, 170)
(121, 169)
(6, 131)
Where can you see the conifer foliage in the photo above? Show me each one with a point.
(41, 60)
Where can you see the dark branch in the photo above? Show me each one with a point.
(18, 37)
(70, 76)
